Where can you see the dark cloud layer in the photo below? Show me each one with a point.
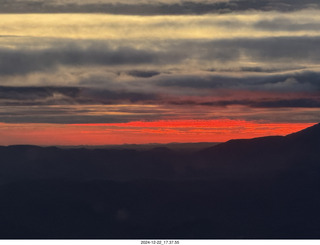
(42, 96)
(279, 51)
(15, 96)
(143, 74)
(88, 105)
(269, 49)
(34, 93)
(156, 8)
(65, 117)
(280, 24)
(300, 81)
(23, 61)
(258, 103)
(112, 97)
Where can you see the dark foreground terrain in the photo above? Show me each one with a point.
(260, 188)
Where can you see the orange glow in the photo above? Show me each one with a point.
(141, 132)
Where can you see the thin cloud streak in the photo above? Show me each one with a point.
(71, 114)
(158, 7)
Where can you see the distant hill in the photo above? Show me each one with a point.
(181, 147)
(234, 159)
(265, 187)
(265, 154)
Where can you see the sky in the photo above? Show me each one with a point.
(98, 72)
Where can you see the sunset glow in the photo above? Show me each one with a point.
(141, 132)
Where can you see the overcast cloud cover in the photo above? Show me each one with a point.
(121, 61)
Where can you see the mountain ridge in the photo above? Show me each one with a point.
(310, 133)
(266, 187)
(241, 158)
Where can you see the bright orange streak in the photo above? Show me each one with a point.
(141, 132)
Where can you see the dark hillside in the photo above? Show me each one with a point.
(259, 188)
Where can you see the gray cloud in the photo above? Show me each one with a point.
(88, 105)
(23, 61)
(69, 114)
(143, 74)
(14, 96)
(34, 93)
(97, 114)
(257, 103)
(258, 69)
(66, 117)
(299, 81)
(44, 96)
(163, 88)
(27, 96)
(270, 49)
(154, 8)
(279, 52)
(285, 103)
(111, 97)
(280, 24)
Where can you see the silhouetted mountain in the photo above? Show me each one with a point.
(265, 155)
(308, 139)
(265, 187)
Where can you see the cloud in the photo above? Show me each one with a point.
(280, 24)
(24, 94)
(280, 52)
(73, 114)
(298, 81)
(296, 50)
(14, 96)
(142, 29)
(283, 103)
(257, 69)
(143, 74)
(111, 97)
(295, 89)
(258, 103)
(133, 68)
(65, 105)
(160, 7)
(24, 61)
